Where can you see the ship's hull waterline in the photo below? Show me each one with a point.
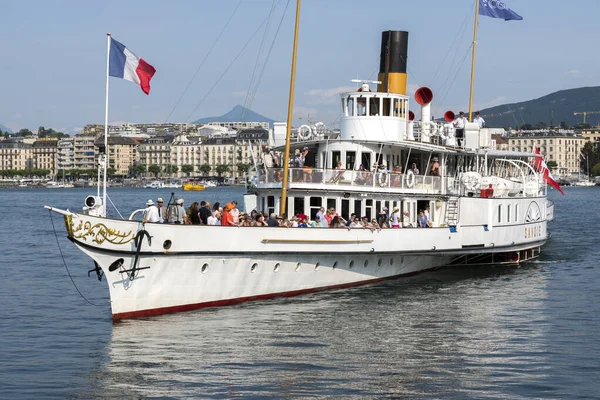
(154, 269)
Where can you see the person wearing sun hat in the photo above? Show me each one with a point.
(395, 218)
(151, 213)
(162, 210)
(226, 217)
(178, 216)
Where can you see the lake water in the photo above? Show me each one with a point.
(498, 333)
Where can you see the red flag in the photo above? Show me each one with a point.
(541, 166)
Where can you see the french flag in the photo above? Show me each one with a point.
(541, 166)
(124, 64)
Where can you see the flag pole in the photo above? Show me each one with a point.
(105, 127)
(473, 60)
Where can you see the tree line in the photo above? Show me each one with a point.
(141, 169)
(41, 133)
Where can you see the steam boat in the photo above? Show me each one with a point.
(486, 207)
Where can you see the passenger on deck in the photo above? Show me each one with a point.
(396, 175)
(177, 214)
(235, 212)
(414, 169)
(421, 220)
(260, 220)
(214, 219)
(435, 167)
(406, 220)
(395, 218)
(356, 223)
(226, 217)
(204, 211)
(151, 213)
(272, 221)
(193, 214)
(338, 174)
(162, 211)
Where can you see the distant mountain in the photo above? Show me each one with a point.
(558, 106)
(237, 114)
(5, 129)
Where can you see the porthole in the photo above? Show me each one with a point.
(204, 268)
(276, 268)
(380, 262)
(366, 264)
(317, 266)
(402, 260)
(351, 264)
(335, 265)
(297, 267)
(253, 267)
(392, 261)
(167, 244)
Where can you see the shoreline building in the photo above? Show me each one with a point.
(563, 148)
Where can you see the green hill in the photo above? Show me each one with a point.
(552, 108)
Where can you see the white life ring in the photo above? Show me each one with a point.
(304, 132)
(382, 178)
(409, 179)
(433, 128)
(470, 180)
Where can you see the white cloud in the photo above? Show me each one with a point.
(328, 96)
(573, 73)
(492, 103)
(305, 112)
(240, 94)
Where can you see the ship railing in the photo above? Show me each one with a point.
(300, 177)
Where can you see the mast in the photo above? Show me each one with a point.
(473, 59)
(288, 134)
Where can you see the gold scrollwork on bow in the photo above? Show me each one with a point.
(97, 233)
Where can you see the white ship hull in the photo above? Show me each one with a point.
(186, 267)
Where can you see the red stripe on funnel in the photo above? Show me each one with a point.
(145, 72)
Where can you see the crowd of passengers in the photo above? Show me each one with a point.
(206, 213)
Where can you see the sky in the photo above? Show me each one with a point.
(213, 55)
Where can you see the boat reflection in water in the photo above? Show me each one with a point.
(456, 333)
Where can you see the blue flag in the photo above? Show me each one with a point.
(497, 9)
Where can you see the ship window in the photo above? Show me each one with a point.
(396, 112)
(374, 106)
(516, 212)
(357, 208)
(331, 203)
(365, 160)
(270, 204)
(361, 106)
(351, 111)
(297, 267)
(386, 107)
(366, 264)
(335, 157)
(508, 213)
(350, 159)
(298, 205)
(317, 265)
(369, 208)
(345, 209)
(335, 264)
(499, 213)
